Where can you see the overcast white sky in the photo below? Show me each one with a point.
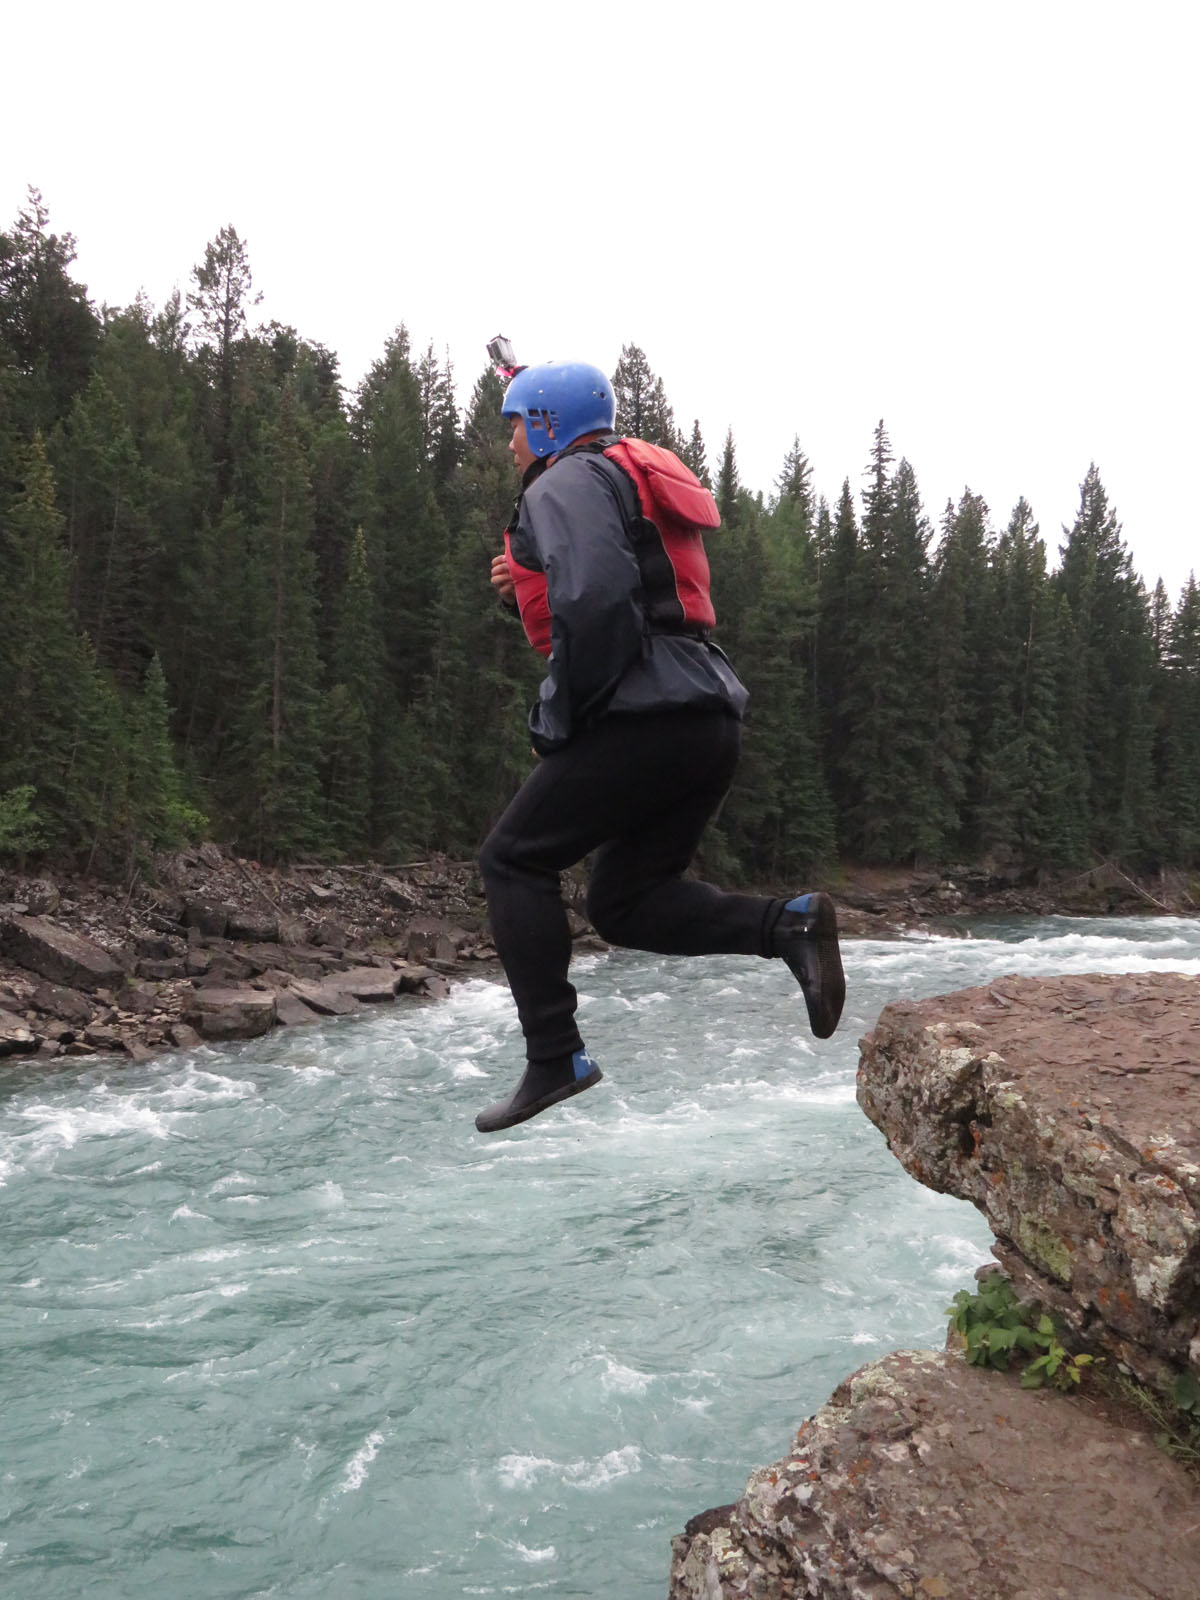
(977, 222)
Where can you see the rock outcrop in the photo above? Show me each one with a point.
(1068, 1111)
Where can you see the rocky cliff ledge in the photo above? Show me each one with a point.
(1068, 1111)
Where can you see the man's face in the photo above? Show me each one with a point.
(519, 445)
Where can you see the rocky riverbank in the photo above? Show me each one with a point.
(210, 946)
(207, 945)
(1068, 1111)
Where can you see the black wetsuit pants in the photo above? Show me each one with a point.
(635, 793)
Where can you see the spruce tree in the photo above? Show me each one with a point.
(223, 296)
(694, 455)
(1181, 780)
(1111, 623)
(48, 330)
(643, 411)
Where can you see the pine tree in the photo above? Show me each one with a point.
(643, 411)
(1113, 734)
(694, 455)
(352, 710)
(114, 548)
(223, 295)
(834, 648)
(728, 484)
(159, 815)
(961, 671)
(886, 695)
(61, 731)
(273, 789)
(1181, 781)
(48, 330)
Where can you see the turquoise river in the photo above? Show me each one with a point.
(277, 1321)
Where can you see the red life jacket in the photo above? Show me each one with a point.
(666, 515)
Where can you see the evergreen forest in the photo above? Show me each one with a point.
(238, 602)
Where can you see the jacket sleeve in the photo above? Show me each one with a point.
(573, 516)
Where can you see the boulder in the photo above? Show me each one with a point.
(161, 971)
(253, 927)
(207, 917)
(396, 894)
(366, 983)
(292, 1012)
(56, 1000)
(926, 1477)
(41, 946)
(42, 897)
(1068, 1111)
(325, 996)
(142, 999)
(16, 1036)
(101, 1037)
(230, 1013)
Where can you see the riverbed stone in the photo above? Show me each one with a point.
(57, 1000)
(370, 984)
(291, 1011)
(57, 954)
(325, 996)
(230, 1013)
(1068, 1111)
(17, 1038)
(924, 1477)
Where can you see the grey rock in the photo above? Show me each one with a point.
(259, 957)
(325, 997)
(56, 1000)
(367, 983)
(162, 971)
(253, 927)
(291, 1011)
(16, 1036)
(396, 894)
(142, 999)
(230, 1013)
(43, 897)
(101, 1037)
(207, 917)
(183, 1036)
(52, 952)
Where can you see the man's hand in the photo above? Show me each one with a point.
(502, 581)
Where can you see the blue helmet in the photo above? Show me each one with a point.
(560, 401)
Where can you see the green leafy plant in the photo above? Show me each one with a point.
(993, 1324)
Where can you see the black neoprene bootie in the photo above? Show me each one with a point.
(805, 936)
(543, 1084)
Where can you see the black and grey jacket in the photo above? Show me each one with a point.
(573, 524)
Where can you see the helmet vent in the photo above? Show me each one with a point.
(544, 419)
